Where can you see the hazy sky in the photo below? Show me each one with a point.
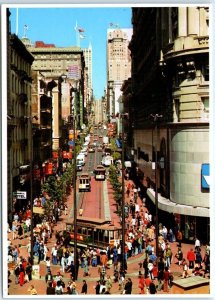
(55, 25)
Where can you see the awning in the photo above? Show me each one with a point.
(172, 207)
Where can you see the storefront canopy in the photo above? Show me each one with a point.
(172, 207)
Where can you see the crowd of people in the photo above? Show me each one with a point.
(154, 268)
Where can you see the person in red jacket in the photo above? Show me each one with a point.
(191, 257)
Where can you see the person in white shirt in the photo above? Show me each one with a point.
(197, 244)
(28, 224)
(45, 252)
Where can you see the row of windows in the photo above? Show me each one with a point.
(20, 62)
(19, 87)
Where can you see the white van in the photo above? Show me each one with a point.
(80, 159)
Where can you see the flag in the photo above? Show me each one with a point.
(80, 29)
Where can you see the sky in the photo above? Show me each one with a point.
(56, 25)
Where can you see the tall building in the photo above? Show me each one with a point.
(64, 68)
(19, 126)
(118, 65)
(169, 101)
(88, 56)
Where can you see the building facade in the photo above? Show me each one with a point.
(170, 103)
(118, 65)
(19, 126)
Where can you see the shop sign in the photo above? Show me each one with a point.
(205, 176)
(21, 195)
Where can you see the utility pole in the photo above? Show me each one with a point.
(155, 120)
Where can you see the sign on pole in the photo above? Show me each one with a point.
(21, 195)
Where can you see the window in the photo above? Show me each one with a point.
(177, 110)
(205, 72)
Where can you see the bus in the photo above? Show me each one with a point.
(84, 182)
(99, 173)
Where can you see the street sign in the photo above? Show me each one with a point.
(71, 143)
(21, 195)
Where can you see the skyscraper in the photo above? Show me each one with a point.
(118, 65)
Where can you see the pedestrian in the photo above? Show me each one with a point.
(108, 283)
(84, 288)
(197, 244)
(179, 238)
(48, 264)
(166, 279)
(49, 277)
(14, 230)
(16, 273)
(142, 284)
(191, 257)
(50, 290)
(128, 286)
(121, 281)
(152, 288)
(28, 271)
(32, 290)
(97, 287)
(21, 275)
(179, 256)
(58, 288)
(54, 254)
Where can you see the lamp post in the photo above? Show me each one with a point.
(31, 184)
(155, 121)
(75, 199)
(74, 183)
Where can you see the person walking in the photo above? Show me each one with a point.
(128, 286)
(152, 288)
(141, 284)
(179, 238)
(166, 279)
(179, 256)
(97, 287)
(84, 288)
(21, 275)
(191, 257)
(50, 290)
(108, 283)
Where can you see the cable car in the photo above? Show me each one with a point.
(99, 172)
(84, 182)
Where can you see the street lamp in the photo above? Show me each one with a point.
(31, 184)
(155, 121)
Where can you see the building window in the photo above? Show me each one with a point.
(205, 105)
(205, 73)
(177, 110)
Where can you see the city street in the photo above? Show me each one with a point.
(133, 262)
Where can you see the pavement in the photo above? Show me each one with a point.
(40, 284)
